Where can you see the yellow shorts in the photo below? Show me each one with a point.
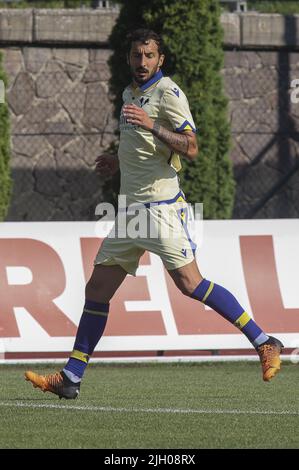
(161, 229)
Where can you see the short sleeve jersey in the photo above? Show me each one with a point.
(148, 167)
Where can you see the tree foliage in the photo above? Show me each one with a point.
(194, 58)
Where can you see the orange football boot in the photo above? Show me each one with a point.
(57, 383)
(269, 353)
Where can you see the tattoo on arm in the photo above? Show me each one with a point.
(175, 141)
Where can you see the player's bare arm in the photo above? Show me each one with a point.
(184, 143)
(107, 165)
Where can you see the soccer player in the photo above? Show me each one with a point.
(156, 128)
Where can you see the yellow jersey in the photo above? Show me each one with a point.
(148, 167)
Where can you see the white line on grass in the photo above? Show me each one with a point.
(19, 404)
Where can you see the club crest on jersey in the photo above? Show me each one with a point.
(143, 101)
(176, 91)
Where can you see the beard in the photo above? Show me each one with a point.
(142, 75)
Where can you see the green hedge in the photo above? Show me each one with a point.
(194, 58)
(285, 7)
(5, 179)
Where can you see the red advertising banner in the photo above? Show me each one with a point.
(44, 268)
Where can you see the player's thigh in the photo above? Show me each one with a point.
(104, 282)
(186, 277)
(174, 245)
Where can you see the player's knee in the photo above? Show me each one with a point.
(186, 288)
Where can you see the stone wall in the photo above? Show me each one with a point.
(265, 137)
(62, 115)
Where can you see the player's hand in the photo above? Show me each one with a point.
(137, 116)
(106, 165)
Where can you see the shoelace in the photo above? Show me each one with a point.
(54, 380)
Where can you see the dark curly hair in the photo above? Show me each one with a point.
(143, 35)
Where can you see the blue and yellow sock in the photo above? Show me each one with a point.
(224, 303)
(90, 330)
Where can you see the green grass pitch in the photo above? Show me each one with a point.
(154, 406)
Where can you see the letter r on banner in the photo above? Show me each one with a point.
(37, 297)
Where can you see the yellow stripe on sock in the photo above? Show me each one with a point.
(80, 356)
(208, 292)
(94, 312)
(242, 320)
